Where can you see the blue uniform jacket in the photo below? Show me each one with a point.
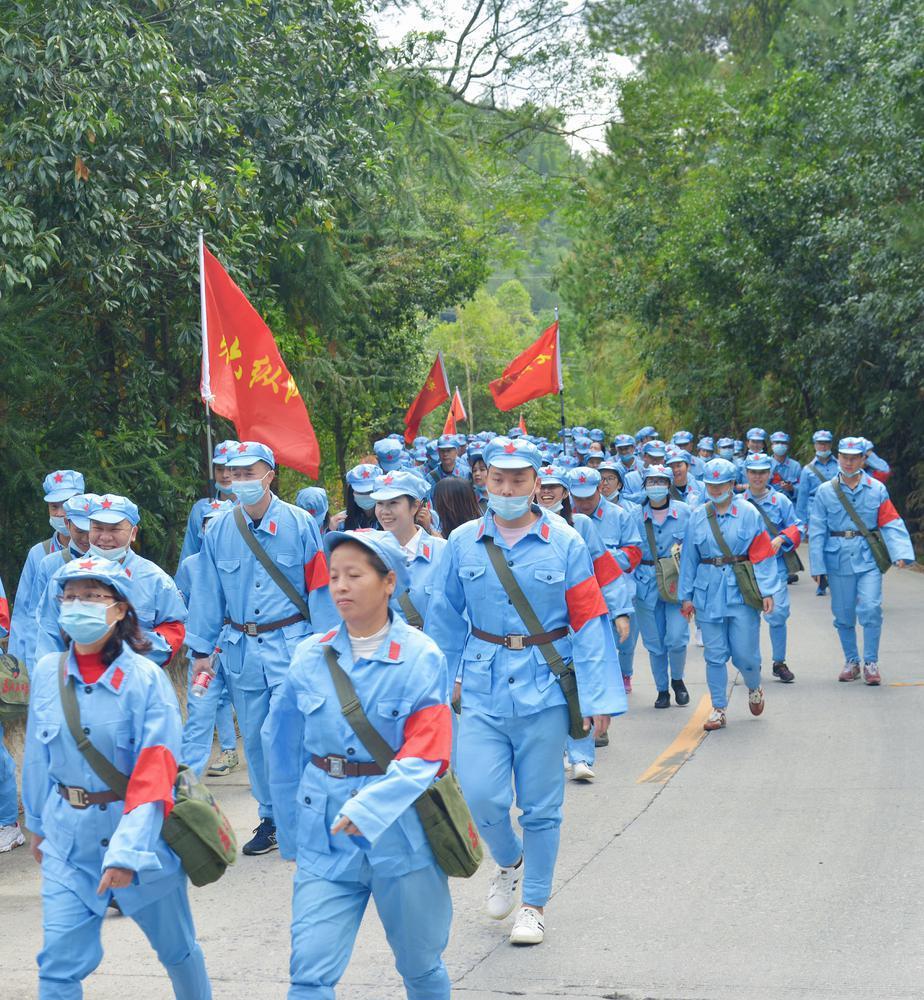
(813, 474)
(46, 570)
(423, 570)
(787, 471)
(619, 530)
(22, 624)
(618, 587)
(782, 512)
(713, 589)
(667, 535)
(853, 555)
(552, 565)
(132, 717)
(404, 691)
(693, 494)
(157, 602)
(229, 583)
(192, 540)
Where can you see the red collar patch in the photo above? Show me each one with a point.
(117, 677)
(394, 651)
(272, 527)
(545, 531)
(426, 551)
(329, 636)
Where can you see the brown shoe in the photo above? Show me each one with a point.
(871, 674)
(850, 672)
(715, 721)
(783, 673)
(756, 701)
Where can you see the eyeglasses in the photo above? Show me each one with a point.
(92, 598)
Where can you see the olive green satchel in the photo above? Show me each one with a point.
(743, 568)
(196, 830)
(873, 536)
(14, 688)
(443, 811)
(667, 572)
(790, 556)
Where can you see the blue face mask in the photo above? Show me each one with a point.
(508, 508)
(721, 498)
(726, 452)
(657, 493)
(114, 555)
(84, 621)
(627, 459)
(58, 524)
(822, 456)
(364, 501)
(249, 491)
(226, 490)
(780, 449)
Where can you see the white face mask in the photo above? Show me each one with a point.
(114, 555)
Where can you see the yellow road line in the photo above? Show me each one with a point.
(668, 763)
(906, 684)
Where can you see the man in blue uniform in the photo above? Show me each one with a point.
(11, 835)
(819, 470)
(192, 540)
(785, 471)
(683, 487)
(448, 464)
(515, 718)
(238, 607)
(839, 549)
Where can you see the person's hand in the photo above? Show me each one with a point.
(768, 605)
(817, 579)
(622, 627)
(902, 563)
(457, 692)
(424, 518)
(115, 878)
(776, 543)
(347, 826)
(337, 521)
(600, 722)
(686, 609)
(35, 845)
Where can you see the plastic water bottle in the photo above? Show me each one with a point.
(201, 683)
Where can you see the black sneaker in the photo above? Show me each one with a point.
(264, 839)
(681, 694)
(602, 740)
(792, 578)
(822, 587)
(664, 699)
(783, 672)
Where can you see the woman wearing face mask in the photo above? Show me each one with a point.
(819, 470)
(785, 471)
(617, 587)
(709, 586)
(93, 846)
(475, 457)
(352, 829)
(360, 507)
(665, 632)
(398, 496)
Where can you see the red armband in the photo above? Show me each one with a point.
(428, 736)
(173, 633)
(760, 548)
(585, 601)
(152, 780)
(4, 614)
(633, 554)
(606, 569)
(793, 534)
(316, 574)
(887, 513)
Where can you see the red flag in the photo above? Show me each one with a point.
(450, 426)
(435, 391)
(523, 424)
(245, 379)
(456, 413)
(535, 372)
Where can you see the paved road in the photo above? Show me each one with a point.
(779, 859)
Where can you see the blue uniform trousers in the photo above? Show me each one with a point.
(202, 714)
(9, 804)
(415, 910)
(737, 635)
(665, 633)
(529, 747)
(252, 708)
(72, 947)
(777, 621)
(857, 597)
(582, 750)
(626, 648)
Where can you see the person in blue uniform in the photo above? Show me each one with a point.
(705, 452)
(209, 709)
(624, 449)
(479, 475)
(875, 464)
(221, 477)
(360, 507)
(350, 827)
(839, 550)
(58, 486)
(448, 462)
(11, 835)
(756, 441)
(820, 469)
(665, 632)
(313, 499)
(730, 628)
(161, 610)
(237, 608)
(785, 530)
(398, 498)
(617, 587)
(514, 715)
(785, 471)
(389, 454)
(683, 486)
(93, 846)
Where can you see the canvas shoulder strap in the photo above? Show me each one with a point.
(650, 535)
(717, 532)
(817, 467)
(66, 554)
(851, 510)
(46, 546)
(411, 614)
(772, 529)
(675, 493)
(262, 556)
(114, 778)
(523, 608)
(352, 710)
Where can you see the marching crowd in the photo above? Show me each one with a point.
(472, 615)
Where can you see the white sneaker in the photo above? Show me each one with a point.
(698, 637)
(10, 837)
(567, 767)
(580, 771)
(502, 893)
(528, 927)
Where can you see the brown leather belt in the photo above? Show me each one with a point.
(80, 798)
(252, 628)
(724, 560)
(339, 767)
(846, 534)
(520, 641)
(647, 562)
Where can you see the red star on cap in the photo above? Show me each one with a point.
(59, 478)
(106, 504)
(222, 450)
(582, 478)
(241, 448)
(89, 564)
(215, 504)
(510, 448)
(365, 473)
(388, 479)
(715, 474)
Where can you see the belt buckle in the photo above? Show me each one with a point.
(77, 797)
(250, 628)
(336, 766)
(515, 642)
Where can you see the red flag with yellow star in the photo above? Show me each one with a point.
(434, 393)
(536, 372)
(245, 379)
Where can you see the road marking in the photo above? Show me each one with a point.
(668, 763)
(906, 684)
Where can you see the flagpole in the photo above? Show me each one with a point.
(561, 387)
(206, 382)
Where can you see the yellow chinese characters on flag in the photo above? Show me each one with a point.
(248, 380)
